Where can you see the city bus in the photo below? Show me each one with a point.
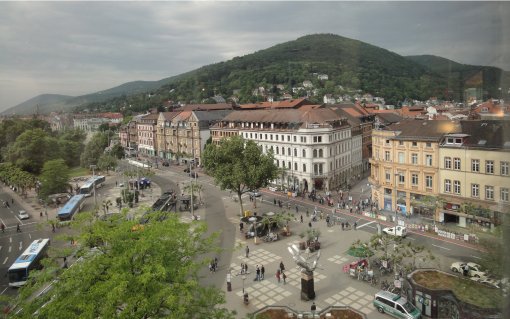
(28, 261)
(73, 206)
(88, 188)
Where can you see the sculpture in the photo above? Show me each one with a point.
(307, 264)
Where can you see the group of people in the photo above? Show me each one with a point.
(213, 265)
(280, 273)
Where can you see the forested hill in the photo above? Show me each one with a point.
(350, 65)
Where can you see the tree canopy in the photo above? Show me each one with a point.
(239, 165)
(54, 178)
(136, 271)
(94, 149)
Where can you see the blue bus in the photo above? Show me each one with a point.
(73, 206)
(29, 260)
(88, 188)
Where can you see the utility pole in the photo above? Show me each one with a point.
(191, 186)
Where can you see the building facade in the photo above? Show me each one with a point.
(405, 166)
(314, 147)
(146, 131)
(475, 174)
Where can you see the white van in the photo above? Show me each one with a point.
(399, 231)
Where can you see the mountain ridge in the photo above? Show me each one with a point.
(348, 62)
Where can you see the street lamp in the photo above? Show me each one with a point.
(395, 186)
(244, 278)
(93, 167)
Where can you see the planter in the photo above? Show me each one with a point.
(302, 245)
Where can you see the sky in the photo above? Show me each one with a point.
(76, 48)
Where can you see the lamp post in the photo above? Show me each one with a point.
(244, 278)
(395, 186)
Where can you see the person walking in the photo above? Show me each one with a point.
(3, 228)
(355, 224)
(242, 269)
(343, 225)
(297, 209)
(257, 272)
(262, 271)
(274, 201)
(301, 218)
(241, 226)
(247, 250)
(18, 229)
(278, 275)
(245, 268)
(313, 308)
(282, 267)
(284, 277)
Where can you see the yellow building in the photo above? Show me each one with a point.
(474, 172)
(405, 165)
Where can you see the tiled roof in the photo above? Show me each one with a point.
(205, 107)
(169, 115)
(211, 115)
(487, 133)
(151, 116)
(296, 116)
(424, 130)
(277, 104)
(389, 117)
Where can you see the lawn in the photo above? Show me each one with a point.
(78, 171)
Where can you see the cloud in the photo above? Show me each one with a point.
(80, 47)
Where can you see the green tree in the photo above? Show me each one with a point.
(54, 178)
(136, 271)
(106, 162)
(239, 165)
(94, 149)
(31, 149)
(117, 151)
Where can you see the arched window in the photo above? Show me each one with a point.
(314, 153)
(277, 150)
(320, 153)
(304, 153)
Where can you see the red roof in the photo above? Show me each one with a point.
(295, 103)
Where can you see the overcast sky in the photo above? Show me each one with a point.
(76, 48)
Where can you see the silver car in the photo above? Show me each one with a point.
(23, 215)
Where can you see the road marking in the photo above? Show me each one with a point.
(476, 257)
(441, 247)
(358, 227)
(30, 236)
(5, 260)
(10, 239)
(10, 248)
(1, 293)
(20, 245)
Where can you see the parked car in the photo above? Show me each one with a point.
(395, 305)
(23, 215)
(399, 231)
(474, 270)
(255, 193)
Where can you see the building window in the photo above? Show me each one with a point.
(475, 190)
(489, 167)
(456, 187)
(317, 139)
(314, 153)
(428, 160)
(428, 181)
(271, 137)
(401, 178)
(475, 165)
(504, 194)
(295, 152)
(447, 186)
(387, 156)
(456, 163)
(428, 144)
(401, 143)
(504, 168)
(304, 153)
(415, 144)
(321, 154)
(277, 150)
(294, 138)
(388, 176)
(448, 163)
(295, 166)
(401, 157)
(288, 151)
(283, 150)
(489, 192)
(414, 158)
(414, 179)
(288, 165)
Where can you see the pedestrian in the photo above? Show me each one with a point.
(297, 209)
(247, 251)
(242, 269)
(313, 308)
(53, 227)
(343, 225)
(257, 272)
(301, 218)
(241, 226)
(274, 201)
(7, 204)
(278, 275)
(284, 276)
(245, 268)
(3, 228)
(40, 214)
(65, 258)
(307, 213)
(18, 229)
(282, 267)
(12, 201)
(355, 224)
(310, 224)
(465, 269)
(215, 263)
(262, 271)
(116, 183)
